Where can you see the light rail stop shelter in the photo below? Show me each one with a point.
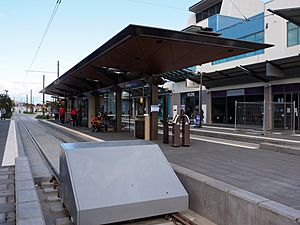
(147, 54)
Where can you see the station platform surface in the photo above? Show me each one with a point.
(287, 135)
(229, 130)
(270, 174)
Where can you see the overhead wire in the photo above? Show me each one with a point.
(44, 35)
(238, 9)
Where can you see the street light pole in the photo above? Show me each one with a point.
(57, 68)
(43, 107)
(57, 99)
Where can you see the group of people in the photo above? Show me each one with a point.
(100, 122)
(76, 116)
(2, 113)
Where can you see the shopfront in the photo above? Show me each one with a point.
(190, 102)
(223, 102)
(290, 95)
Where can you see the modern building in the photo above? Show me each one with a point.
(271, 75)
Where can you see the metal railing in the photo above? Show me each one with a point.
(265, 116)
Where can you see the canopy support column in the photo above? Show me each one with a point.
(154, 115)
(91, 109)
(118, 110)
(268, 99)
(97, 104)
(165, 120)
(66, 107)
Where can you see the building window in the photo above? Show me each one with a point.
(213, 10)
(293, 34)
(257, 37)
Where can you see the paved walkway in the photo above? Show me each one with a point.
(4, 127)
(269, 174)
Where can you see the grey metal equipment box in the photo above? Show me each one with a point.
(107, 182)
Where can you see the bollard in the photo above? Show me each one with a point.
(185, 131)
(176, 131)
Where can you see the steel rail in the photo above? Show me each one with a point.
(76, 138)
(52, 170)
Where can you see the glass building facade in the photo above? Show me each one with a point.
(257, 37)
(293, 34)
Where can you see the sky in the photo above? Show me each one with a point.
(78, 28)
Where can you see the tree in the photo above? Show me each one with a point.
(7, 103)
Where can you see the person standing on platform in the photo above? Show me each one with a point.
(74, 114)
(62, 115)
(3, 112)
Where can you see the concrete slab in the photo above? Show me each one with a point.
(2, 217)
(29, 210)
(25, 185)
(6, 193)
(3, 187)
(195, 189)
(4, 177)
(196, 218)
(8, 207)
(31, 221)
(242, 206)
(47, 184)
(26, 196)
(63, 221)
(58, 210)
(11, 217)
(23, 169)
(2, 200)
(50, 191)
(215, 198)
(23, 176)
(276, 214)
(53, 199)
(4, 169)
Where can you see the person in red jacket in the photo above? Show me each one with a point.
(74, 114)
(62, 115)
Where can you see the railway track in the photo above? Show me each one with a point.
(63, 136)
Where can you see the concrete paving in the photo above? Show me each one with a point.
(7, 196)
(4, 126)
(28, 208)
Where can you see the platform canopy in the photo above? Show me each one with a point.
(141, 53)
(290, 14)
(284, 68)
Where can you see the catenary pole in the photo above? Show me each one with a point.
(43, 107)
